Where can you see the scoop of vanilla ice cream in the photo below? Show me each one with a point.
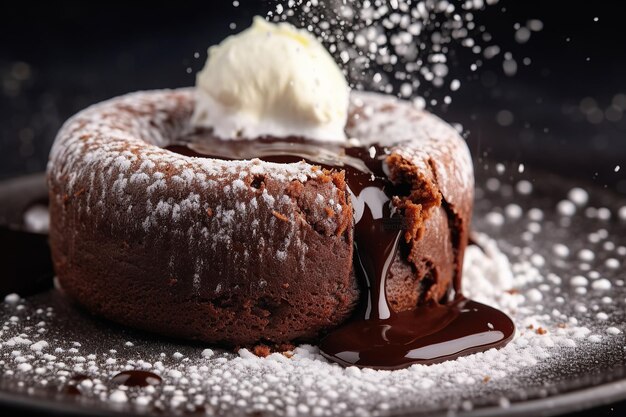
(272, 79)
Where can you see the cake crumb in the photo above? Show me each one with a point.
(262, 351)
(284, 347)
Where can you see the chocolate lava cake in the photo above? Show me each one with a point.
(237, 252)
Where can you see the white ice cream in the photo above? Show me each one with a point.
(272, 79)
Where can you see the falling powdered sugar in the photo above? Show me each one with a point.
(401, 47)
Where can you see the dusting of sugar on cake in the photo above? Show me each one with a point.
(108, 159)
(108, 163)
(430, 144)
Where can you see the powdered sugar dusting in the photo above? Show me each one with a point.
(429, 143)
(121, 139)
(108, 163)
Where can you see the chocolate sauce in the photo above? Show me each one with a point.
(377, 337)
(73, 385)
(72, 389)
(428, 334)
(136, 378)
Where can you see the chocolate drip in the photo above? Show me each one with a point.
(136, 378)
(377, 337)
(73, 385)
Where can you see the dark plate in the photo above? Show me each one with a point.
(567, 379)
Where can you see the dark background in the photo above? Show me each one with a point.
(57, 58)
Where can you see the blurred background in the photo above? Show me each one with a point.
(562, 107)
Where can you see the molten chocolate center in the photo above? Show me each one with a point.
(376, 336)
